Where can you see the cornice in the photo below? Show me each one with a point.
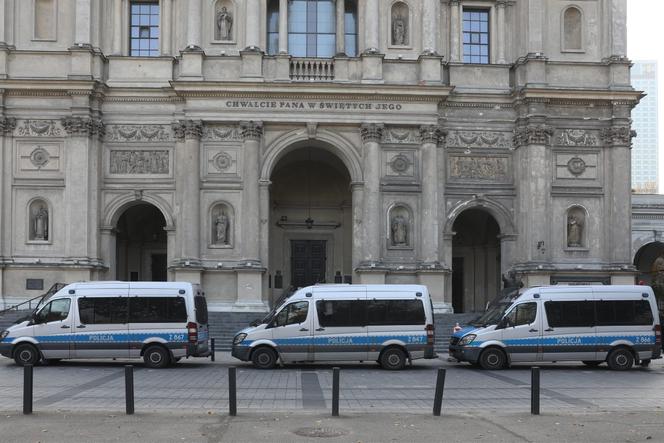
(555, 95)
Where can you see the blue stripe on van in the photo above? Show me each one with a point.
(335, 340)
(575, 340)
(112, 337)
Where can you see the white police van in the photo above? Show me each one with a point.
(159, 321)
(618, 325)
(390, 324)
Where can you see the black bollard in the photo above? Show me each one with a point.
(27, 389)
(535, 391)
(232, 392)
(438, 398)
(335, 392)
(129, 389)
(212, 350)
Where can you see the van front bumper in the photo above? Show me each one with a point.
(241, 352)
(463, 353)
(6, 349)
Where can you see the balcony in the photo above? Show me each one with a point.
(311, 69)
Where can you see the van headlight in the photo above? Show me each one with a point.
(239, 338)
(467, 339)
(3, 334)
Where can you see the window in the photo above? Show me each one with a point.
(350, 28)
(476, 36)
(57, 310)
(293, 314)
(572, 30)
(273, 27)
(144, 32)
(570, 313)
(395, 312)
(523, 314)
(157, 310)
(201, 309)
(334, 313)
(623, 312)
(311, 28)
(103, 310)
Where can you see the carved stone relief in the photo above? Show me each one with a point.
(222, 162)
(533, 135)
(221, 225)
(138, 133)
(476, 139)
(39, 128)
(139, 162)
(399, 163)
(223, 21)
(618, 135)
(38, 157)
(576, 137)
(401, 136)
(479, 168)
(577, 166)
(38, 229)
(221, 133)
(576, 221)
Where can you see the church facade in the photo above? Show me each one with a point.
(255, 146)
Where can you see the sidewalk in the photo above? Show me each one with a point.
(302, 427)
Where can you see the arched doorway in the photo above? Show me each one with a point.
(475, 260)
(649, 262)
(310, 220)
(141, 244)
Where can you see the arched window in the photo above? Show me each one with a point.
(572, 29)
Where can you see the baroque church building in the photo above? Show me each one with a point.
(259, 145)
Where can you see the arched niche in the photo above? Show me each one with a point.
(224, 21)
(572, 32)
(39, 221)
(399, 24)
(576, 235)
(400, 223)
(222, 225)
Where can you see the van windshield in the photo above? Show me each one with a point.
(280, 302)
(492, 316)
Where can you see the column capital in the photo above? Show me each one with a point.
(617, 136)
(432, 134)
(83, 126)
(372, 132)
(251, 130)
(7, 125)
(187, 130)
(533, 134)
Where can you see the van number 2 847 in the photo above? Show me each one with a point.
(176, 337)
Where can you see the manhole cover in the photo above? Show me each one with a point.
(320, 432)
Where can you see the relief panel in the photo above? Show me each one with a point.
(577, 166)
(38, 159)
(399, 164)
(479, 168)
(132, 162)
(222, 162)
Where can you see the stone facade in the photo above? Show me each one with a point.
(217, 163)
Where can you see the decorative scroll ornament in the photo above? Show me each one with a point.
(431, 134)
(473, 139)
(39, 128)
(39, 157)
(222, 161)
(576, 166)
(251, 130)
(576, 137)
(7, 125)
(533, 135)
(371, 132)
(401, 136)
(139, 162)
(138, 133)
(618, 135)
(187, 129)
(221, 133)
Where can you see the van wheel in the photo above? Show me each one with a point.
(264, 358)
(26, 354)
(493, 358)
(620, 359)
(156, 357)
(591, 363)
(393, 359)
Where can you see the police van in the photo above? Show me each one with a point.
(158, 321)
(618, 325)
(391, 324)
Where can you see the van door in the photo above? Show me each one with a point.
(101, 329)
(52, 328)
(291, 331)
(569, 330)
(522, 331)
(340, 331)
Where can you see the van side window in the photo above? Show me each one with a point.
(334, 313)
(623, 312)
(57, 310)
(570, 314)
(294, 313)
(157, 310)
(523, 314)
(395, 312)
(102, 310)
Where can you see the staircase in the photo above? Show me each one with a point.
(224, 326)
(9, 317)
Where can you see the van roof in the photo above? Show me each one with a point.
(132, 284)
(368, 288)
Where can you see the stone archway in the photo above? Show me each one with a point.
(649, 262)
(141, 244)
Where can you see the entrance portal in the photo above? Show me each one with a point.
(476, 261)
(307, 262)
(141, 244)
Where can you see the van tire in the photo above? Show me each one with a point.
(264, 358)
(493, 359)
(26, 354)
(156, 357)
(393, 359)
(620, 359)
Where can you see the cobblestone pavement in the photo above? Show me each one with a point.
(199, 384)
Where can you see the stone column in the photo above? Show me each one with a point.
(357, 189)
(3, 38)
(618, 27)
(194, 14)
(252, 25)
(264, 230)
(117, 27)
(430, 26)
(372, 134)
(187, 181)
(502, 36)
(371, 26)
(7, 125)
(455, 31)
(341, 27)
(82, 34)
(252, 133)
(429, 222)
(283, 26)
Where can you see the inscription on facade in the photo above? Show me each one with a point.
(478, 168)
(313, 105)
(139, 162)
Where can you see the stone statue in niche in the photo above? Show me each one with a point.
(399, 229)
(574, 231)
(40, 224)
(399, 29)
(221, 225)
(224, 24)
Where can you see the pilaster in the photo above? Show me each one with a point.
(371, 136)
